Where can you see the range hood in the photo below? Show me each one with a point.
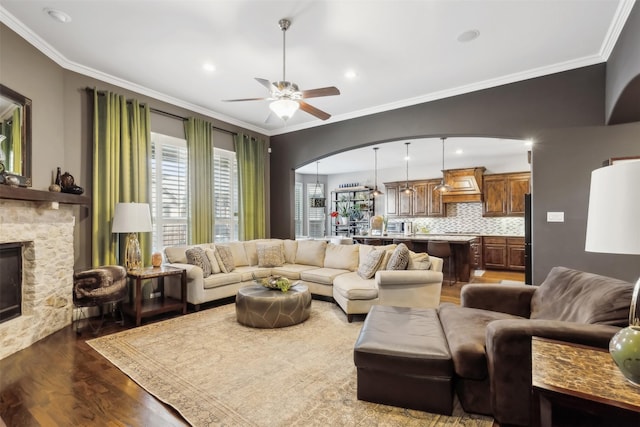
(466, 185)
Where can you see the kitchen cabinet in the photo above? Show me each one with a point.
(503, 253)
(361, 205)
(466, 185)
(504, 194)
(424, 201)
(475, 247)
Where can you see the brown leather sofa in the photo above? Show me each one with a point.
(489, 334)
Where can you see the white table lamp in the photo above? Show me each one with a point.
(132, 218)
(613, 226)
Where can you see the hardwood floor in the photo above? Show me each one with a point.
(61, 381)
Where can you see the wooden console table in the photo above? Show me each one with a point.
(137, 309)
(583, 383)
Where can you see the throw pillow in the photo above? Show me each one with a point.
(399, 258)
(270, 254)
(418, 261)
(343, 257)
(371, 264)
(211, 256)
(224, 256)
(196, 256)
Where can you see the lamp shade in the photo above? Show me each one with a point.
(284, 108)
(132, 218)
(613, 224)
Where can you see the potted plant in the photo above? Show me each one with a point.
(343, 212)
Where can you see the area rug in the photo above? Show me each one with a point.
(215, 371)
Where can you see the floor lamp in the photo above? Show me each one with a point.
(613, 226)
(132, 218)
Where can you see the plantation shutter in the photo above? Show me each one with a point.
(225, 178)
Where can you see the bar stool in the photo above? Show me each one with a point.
(407, 242)
(443, 250)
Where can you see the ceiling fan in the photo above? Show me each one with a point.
(286, 96)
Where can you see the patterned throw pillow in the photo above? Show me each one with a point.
(371, 263)
(270, 254)
(196, 256)
(399, 258)
(211, 256)
(418, 261)
(224, 256)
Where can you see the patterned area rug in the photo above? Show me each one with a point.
(215, 371)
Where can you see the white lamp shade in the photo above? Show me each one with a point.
(613, 224)
(284, 108)
(131, 218)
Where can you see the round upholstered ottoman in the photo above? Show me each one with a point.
(261, 307)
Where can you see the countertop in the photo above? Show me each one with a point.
(423, 237)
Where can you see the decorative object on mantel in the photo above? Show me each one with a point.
(68, 185)
(613, 227)
(132, 218)
(12, 179)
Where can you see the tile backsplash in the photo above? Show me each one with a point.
(467, 218)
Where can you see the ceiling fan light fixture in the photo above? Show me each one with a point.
(284, 108)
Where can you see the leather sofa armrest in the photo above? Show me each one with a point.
(510, 299)
(508, 346)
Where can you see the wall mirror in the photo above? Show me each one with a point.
(15, 134)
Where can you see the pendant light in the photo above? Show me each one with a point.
(407, 189)
(443, 187)
(376, 192)
(317, 201)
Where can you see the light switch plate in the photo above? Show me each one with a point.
(555, 216)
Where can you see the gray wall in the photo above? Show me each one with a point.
(559, 110)
(623, 74)
(62, 132)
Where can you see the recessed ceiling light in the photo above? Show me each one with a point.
(459, 151)
(58, 15)
(207, 66)
(469, 35)
(528, 143)
(350, 74)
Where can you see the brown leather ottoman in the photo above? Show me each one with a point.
(261, 307)
(403, 359)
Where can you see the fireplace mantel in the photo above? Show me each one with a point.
(19, 193)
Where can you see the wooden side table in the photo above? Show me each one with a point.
(584, 383)
(137, 309)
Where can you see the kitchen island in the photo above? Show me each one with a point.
(463, 248)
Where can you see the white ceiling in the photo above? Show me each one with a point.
(403, 52)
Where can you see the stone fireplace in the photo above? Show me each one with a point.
(44, 231)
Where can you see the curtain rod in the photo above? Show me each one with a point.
(164, 113)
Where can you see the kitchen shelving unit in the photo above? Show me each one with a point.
(352, 196)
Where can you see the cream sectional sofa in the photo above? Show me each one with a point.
(329, 270)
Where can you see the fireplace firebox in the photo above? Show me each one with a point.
(10, 280)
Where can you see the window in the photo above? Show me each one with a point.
(316, 215)
(225, 170)
(169, 195)
(299, 210)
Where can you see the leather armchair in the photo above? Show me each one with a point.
(489, 334)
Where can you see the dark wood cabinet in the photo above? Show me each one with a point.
(475, 246)
(504, 194)
(503, 253)
(424, 201)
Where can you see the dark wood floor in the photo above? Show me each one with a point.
(61, 381)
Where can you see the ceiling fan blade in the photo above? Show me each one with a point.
(266, 83)
(313, 111)
(324, 91)
(244, 99)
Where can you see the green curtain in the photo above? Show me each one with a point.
(121, 153)
(16, 138)
(251, 154)
(200, 160)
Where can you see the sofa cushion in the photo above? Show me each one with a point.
(250, 272)
(221, 279)
(197, 256)
(292, 271)
(270, 254)
(311, 252)
(399, 259)
(290, 249)
(418, 261)
(224, 256)
(344, 257)
(238, 252)
(211, 256)
(465, 328)
(353, 287)
(576, 296)
(323, 276)
(371, 263)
